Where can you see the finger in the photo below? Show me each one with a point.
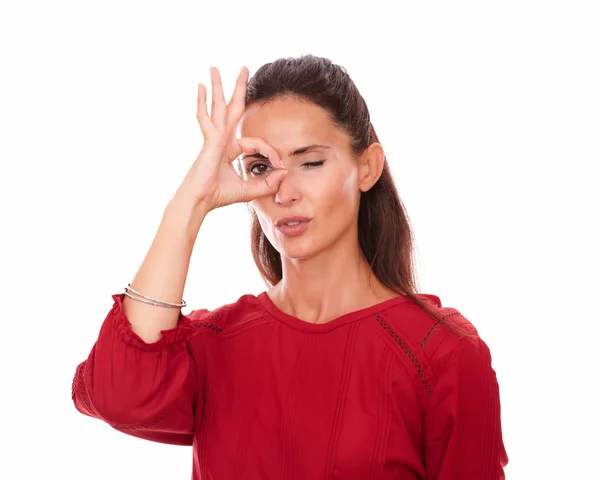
(202, 114)
(218, 107)
(268, 186)
(239, 91)
(250, 145)
(237, 104)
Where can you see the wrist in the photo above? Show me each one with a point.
(187, 201)
(187, 210)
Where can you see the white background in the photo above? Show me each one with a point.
(490, 117)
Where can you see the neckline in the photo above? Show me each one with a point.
(299, 324)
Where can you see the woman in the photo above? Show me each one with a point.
(340, 369)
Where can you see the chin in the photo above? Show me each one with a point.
(298, 251)
(296, 256)
(295, 253)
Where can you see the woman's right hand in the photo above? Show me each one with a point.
(212, 181)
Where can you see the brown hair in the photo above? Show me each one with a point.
(384, 233)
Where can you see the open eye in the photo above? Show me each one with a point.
(258, 169)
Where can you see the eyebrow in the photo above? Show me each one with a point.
(296, 152)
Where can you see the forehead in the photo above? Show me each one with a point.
(286, 122)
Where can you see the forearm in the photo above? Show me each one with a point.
(163, 273)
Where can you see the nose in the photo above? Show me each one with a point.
(288, 192)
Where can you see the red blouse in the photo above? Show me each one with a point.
(380, 393)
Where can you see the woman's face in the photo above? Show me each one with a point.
(322, 182)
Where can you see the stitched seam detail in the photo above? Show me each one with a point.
(435, 327)
(429, 334)
(340, 405)
(207, 325)
(448, 361)
(139, 426)
(409, 353)
(218, 329)
(246, 322)
(84, 397)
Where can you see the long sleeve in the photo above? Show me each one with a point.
(145, 390)
(462, 430)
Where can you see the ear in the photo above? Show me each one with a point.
(370, 166)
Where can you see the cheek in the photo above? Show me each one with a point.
(348, 187)
(259, 208)
(338, 193)
(263, 213)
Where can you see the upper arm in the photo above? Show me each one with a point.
(462, 428)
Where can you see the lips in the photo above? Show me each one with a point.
(295, 229)
(284, 220)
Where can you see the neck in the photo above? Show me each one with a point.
(325, 286)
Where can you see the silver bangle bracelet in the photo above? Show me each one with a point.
(153, 301)
(149, 302)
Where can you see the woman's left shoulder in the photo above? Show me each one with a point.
(454, 338)
(434, 339)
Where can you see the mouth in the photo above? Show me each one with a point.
(290, 221)
(293, 228)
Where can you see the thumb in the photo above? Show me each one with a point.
(268, 186)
